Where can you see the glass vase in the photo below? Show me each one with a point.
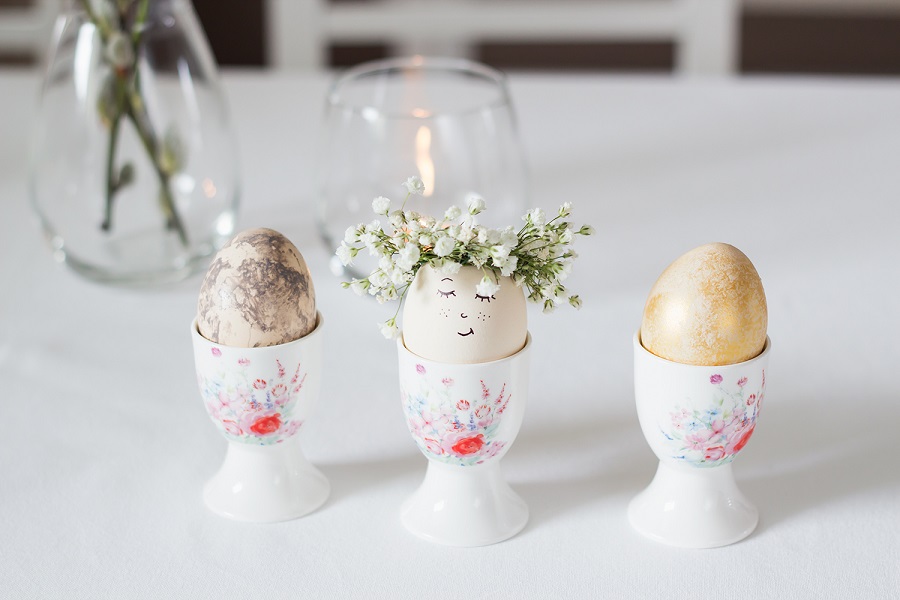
(133, 170)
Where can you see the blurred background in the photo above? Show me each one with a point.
(844, 37)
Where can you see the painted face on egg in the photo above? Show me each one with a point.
(446, 320)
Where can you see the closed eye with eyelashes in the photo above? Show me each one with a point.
(446, 294)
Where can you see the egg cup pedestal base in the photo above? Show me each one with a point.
(266, 484)
(693, 508)
(464, 506)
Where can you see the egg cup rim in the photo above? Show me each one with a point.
(402, 348)
(320, 323)
(639, 346)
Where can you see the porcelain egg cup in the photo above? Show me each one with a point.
(696, 419)
(464, 418)
(259, 398)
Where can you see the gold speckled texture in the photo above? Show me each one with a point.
(707, 308)
(257, 292)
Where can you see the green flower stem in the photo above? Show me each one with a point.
(111, 183)
(131, 105)
(139, 118)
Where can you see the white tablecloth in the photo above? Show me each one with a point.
(106, 445)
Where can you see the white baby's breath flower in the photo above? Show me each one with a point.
(379, 280)
(359, 286)
(549, 306)
(499, 251)
(381, 205)
(389, 329)
(398, 276)
(425, 240)
(465, 234)
(414, 185)
(487, 286)
(385, 263)
(453, 213)
(444, 246)
(586, 230)
(448, 267)
(509, 238)
(536, 216)
(390, 293)
(374, 226)
(396, 219)
(575, 301)
(346, 254)
(566, 236)
(351, 236)
(409, 256)
(566, 209)
(475, 204)
(511, 262)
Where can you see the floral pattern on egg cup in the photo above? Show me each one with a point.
(696, 420)
(710, 433)
(258, 398)
(464, 418)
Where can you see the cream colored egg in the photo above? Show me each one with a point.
(707, 308)
(446, 320)
(257, 292)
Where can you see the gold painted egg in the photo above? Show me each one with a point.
(707, 308)
(257, 292)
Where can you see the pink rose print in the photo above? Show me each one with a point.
(244, 362)
(420, 369)
(742, 382)
(447, 381)
(715, 379)
(463, 404)
(433, 446)
(278, 389)
(216, 352)
(260, 384)
(266, 425)
(231, 427)
(469, 445)
(716, 453)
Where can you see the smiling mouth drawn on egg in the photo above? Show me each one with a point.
(470, 332)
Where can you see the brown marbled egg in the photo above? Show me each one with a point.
(707, 308)
(257, 292)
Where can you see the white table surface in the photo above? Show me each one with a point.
(106, 445)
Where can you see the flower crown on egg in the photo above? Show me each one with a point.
(538, 256)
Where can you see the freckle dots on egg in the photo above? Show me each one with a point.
(707, 308)
(257, 292)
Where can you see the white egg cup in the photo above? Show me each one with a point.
(464, 417)
(258, 398)
(696, 420)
